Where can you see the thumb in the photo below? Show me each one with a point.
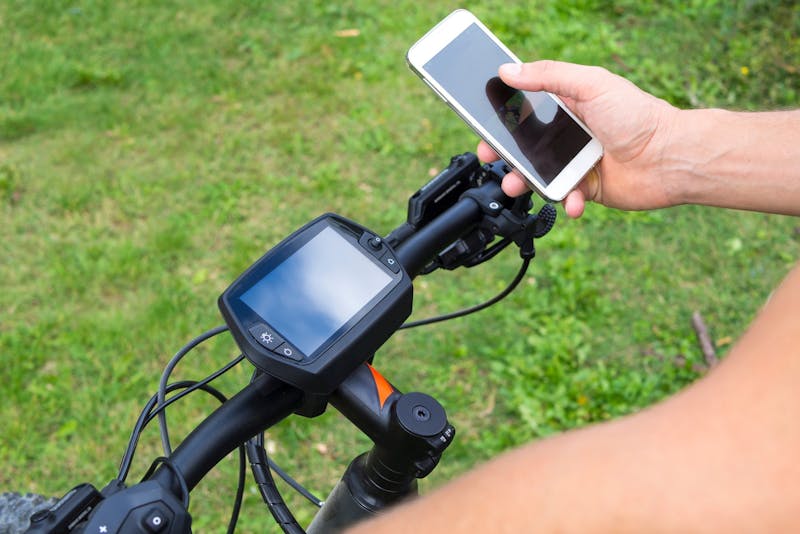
(577, 82)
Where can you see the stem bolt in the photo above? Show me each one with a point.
(421, 413)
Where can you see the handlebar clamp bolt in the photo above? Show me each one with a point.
(421, 413)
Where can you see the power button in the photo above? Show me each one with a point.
(156, 521)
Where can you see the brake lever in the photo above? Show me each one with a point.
(512, 223)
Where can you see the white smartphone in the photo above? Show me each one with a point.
(533, 132)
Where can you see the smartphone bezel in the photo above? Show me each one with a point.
(437, 39)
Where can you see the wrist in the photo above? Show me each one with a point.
(693, 150)
(741, 160)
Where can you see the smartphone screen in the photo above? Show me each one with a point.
(531, 126)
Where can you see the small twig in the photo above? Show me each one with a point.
(489, 405)
(704, 339)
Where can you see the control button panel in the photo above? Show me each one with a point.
(375, 245)
(268, 338)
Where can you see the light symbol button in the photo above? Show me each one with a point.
(265, 336)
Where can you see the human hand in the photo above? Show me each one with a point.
(633, 126)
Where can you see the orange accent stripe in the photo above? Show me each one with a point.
(382, 385)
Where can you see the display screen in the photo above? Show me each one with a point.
(531, 126)
(316, 290)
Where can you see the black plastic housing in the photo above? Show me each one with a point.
(321, 371)
(442, 191)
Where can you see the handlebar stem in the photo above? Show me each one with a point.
(410, 432)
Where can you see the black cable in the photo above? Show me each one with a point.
(237, 500)
(147, 413)
(261, 466)
(266, 486)
(294, 484)
(175, 471)
(258, 441)
(196, 385)
(189, 387)
(489, 253)
(466, 311)
(162, 384)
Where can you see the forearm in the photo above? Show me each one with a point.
(719, 457)
(735, 160)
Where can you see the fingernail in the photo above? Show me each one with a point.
(511, 69)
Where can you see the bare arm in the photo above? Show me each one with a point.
(736, 160)
(722, 456)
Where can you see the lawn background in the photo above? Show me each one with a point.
(150, 151)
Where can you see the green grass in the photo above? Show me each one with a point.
(150, 151)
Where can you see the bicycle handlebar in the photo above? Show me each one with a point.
(466, 206)
(260, 405)
(419, 248)
(267, 401)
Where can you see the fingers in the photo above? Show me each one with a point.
(574, 204)
(513, 185)
(485, 152)
(578, 82)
